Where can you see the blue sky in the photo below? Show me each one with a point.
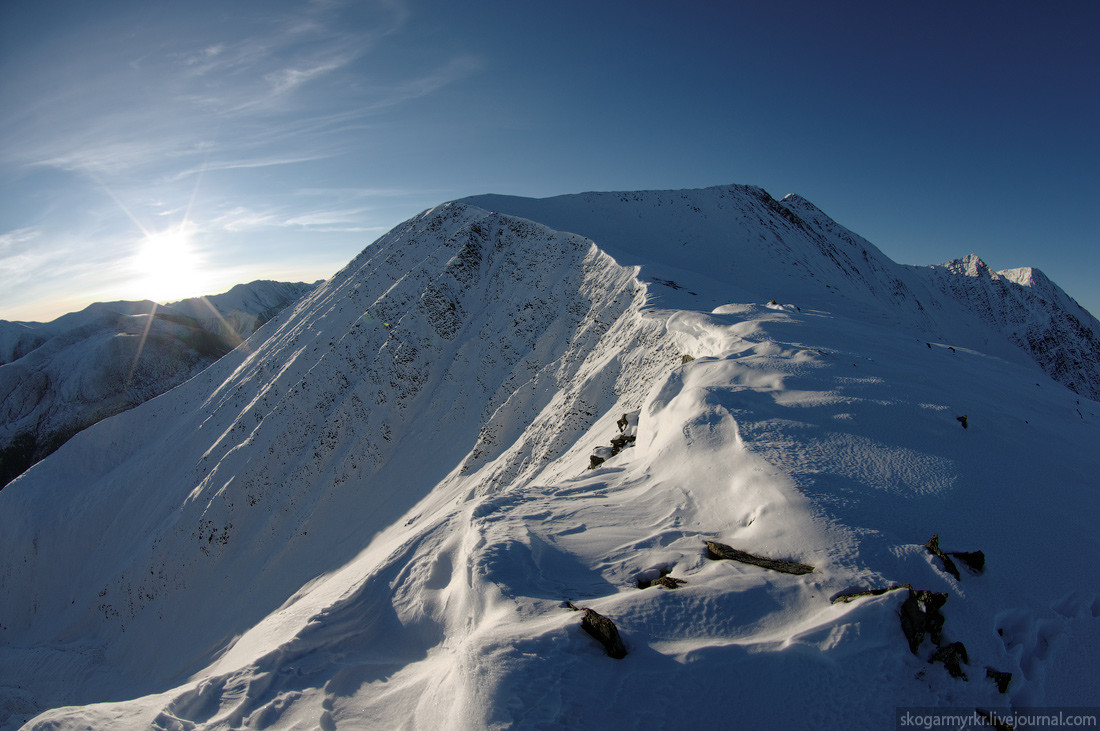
(273, 139)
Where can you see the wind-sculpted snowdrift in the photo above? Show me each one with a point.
(376, 517)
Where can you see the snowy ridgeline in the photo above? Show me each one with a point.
(382, 515)
(59, 377)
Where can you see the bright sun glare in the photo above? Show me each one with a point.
(168, 267)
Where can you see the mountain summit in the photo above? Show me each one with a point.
(715, 433)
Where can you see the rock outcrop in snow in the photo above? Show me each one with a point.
(60, 377)
(374, 517)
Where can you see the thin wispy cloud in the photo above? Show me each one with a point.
(288, 79)
(236, 92)
(15, 240)
(203, 116)
(19, 267)
(245, 219)
(332, 220)
(319, 219)
(246, 164)
(455, 69)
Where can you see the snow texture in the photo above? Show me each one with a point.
(374, 518)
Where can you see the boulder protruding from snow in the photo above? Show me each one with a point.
(933, 546)
(1001, 678)
(953, 657)
(974, 560)
(664, 579)
(628, 434)
(850, 596)
(718, 551)
(603, 629)
(921, 616)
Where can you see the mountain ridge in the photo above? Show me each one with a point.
(374, 516)
(884, 288)
(1031, 311)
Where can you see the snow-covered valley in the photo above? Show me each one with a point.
(380, 514)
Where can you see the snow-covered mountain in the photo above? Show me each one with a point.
(1032, 312)
(59, 377)
(384, 514)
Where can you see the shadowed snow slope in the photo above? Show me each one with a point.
(373, 518)
(1062, 337)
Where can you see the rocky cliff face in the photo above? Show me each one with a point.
(60, 377)
(1032, 312)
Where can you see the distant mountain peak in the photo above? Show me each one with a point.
(60, 377)
(1031, 311)
(970, 265)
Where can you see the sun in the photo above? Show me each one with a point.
(168, 266)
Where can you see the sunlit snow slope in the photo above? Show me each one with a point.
(374, 518)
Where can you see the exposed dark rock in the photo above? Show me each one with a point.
(921, 615)
(974, 560)
(953, 657)
(850, 596)
(604, 630)
(628, 426)
(718, 551)
(1002, 679)
(933, 547)
(669, 582)
(961, 420)
(621, 442)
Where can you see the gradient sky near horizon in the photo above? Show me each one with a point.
(153, 149)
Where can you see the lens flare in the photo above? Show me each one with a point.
(168, 267)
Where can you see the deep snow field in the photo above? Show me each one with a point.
(375, 517)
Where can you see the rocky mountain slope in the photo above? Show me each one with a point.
(385, 513)
(59, 377)
(1031, 311)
